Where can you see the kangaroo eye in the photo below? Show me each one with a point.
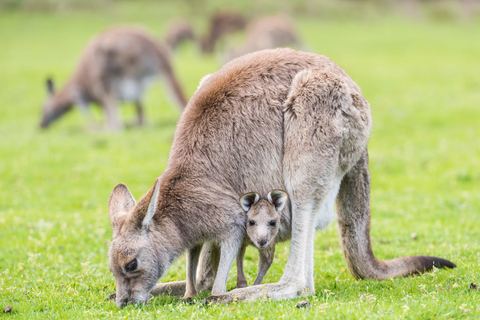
(251, 222)
(131, 266)
(272, 223)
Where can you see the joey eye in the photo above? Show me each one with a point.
(272, 223)
(251, 222)
(131, 266)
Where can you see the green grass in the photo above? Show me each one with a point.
(422, 80)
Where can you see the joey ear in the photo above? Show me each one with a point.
(278, 198)
(50, 86)
(146, 207)
(121, 200)
(248, 200)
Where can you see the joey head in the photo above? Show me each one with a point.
(263, 216)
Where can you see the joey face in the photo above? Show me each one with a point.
(137, 258)
(263, 216)
(262, 223)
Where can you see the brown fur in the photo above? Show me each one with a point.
(271, 119)
(115, 66)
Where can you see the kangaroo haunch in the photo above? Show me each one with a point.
(271, 119)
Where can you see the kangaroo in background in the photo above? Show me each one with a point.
(274, 118)
(267, 32)
(116, 65)
(221, 24)
(263, 223)
(179, 31)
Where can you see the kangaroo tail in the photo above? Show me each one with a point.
(353, 208)
(410, 265)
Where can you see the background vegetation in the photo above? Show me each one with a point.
(418, 68)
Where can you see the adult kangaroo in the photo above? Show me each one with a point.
(271, 119)
(116, 66)
(267, 32)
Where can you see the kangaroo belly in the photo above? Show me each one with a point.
(326, 214)
(131, 89)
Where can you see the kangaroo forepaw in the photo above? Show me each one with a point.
(217, 299)
(113, 297)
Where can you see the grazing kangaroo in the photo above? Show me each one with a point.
(117, 65)
(221, 24)
(179, 31)
(274, 118)
(267, 33)
(263, 223)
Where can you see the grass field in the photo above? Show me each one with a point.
(423, 82)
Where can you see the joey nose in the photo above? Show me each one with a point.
(262, 242)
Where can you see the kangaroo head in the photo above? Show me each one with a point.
(55, 105)
(137, 257)
(263, 215)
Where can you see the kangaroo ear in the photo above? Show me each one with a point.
(203, 80)
(120, 202)
(146, 207)
(248, 200)
(278, 198)
(50, 86)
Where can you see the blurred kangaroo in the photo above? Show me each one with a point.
(179, 31)
(264, 220)
(116, 65)
(274, 118)
(221, 24)
(267, 33)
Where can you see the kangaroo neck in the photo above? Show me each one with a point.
(178, 209)
(67, 96)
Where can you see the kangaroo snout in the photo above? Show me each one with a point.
(262, 242)
(132, 299)
(122, 301)
(43, 124)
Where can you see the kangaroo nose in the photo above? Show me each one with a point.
(122, 302)
(262, 242)
(137, 299)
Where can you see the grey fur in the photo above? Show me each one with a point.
(272, 119)
(116, 65)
